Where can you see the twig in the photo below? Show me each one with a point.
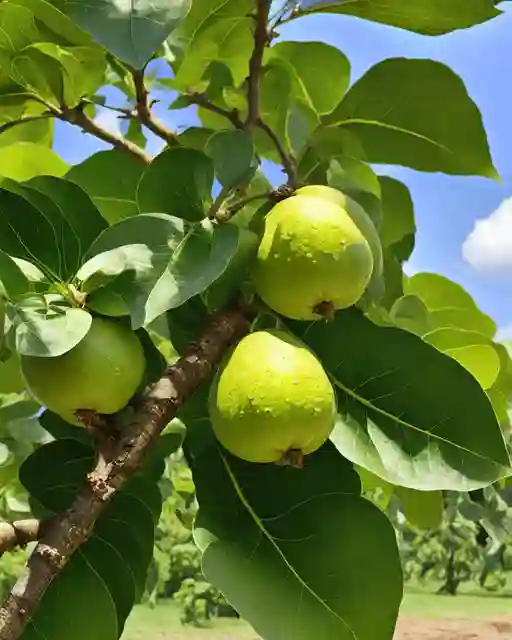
(202, 101)
(217, 203)
(78, 117)
(261, 39)
(286, 159)
(144, 113)
(73, 527)
(240, 204)
(24, 120)
(19, 533)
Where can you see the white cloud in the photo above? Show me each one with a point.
(489, 245)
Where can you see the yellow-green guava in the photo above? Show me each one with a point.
(271, 400)
(312, 259)
(101, 373)
(358, 215)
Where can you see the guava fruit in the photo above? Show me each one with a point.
(312, 260)
(101, 373)
(271, 400)
(358, 215)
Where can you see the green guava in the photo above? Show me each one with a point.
(271, 400)
(358, 215)
(312, 260)
(101, 373)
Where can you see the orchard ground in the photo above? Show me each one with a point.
(471, 615)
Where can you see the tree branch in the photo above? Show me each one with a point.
(78, 117)
(261, 39)
(19, 533)
(145, 115)
(158, 406)
(287, 160)
(202, 101)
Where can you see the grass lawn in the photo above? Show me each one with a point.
(163, 622)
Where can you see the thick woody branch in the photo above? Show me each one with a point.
(143, 111)
(73, 527)
(19, 533)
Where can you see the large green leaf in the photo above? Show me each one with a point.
(110, 178)
(407, 412)
(24, 160)
(132, 30)
(423, 509)
(47, 330)
(471, 349)
(214, 30)
(59, 75)
(233, 157)
(320, 73)
(398, 226)
(429, 17)
(57, 228)
(14, 282)
(291, 120)
(153, 264)
(179, 182)
(394, 110)
(449, 304)
(306, 535)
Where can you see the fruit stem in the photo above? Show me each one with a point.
(292, 458)
(325, 309)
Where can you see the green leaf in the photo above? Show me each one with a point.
(223, 289)
(110, 178)
(393, 110)
(24, 160)
(423, 509)
(306, 535)
(75, 207)
(291, 121)
(12, 278)
(449, 304)
(471, 349)
(48, 332)
(154, 265)
(214, 30)
(320, 73)
(11, 380)
(132, 31)
(408, 413)
(79, 590)
(179, 182)
(422, 16)
(70, 73)
(229, 40)
(398, 223)
(233, 157)
(58, 224)
(411, 313)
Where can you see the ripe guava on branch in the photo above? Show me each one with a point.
(101, 373)
(271, 400)
(313, 259)
(358, 215)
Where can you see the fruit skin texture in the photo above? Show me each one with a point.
(311, 253)
(271, 396)
(101, 373)
(358, 215)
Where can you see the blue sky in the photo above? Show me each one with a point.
(464, 223)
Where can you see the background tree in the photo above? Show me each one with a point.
(165, 247)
